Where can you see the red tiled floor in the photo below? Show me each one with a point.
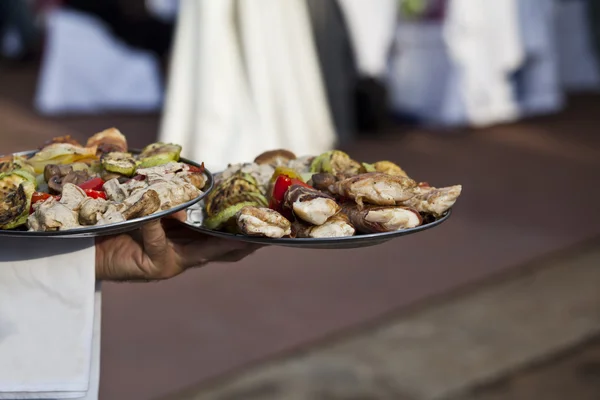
(528, 189)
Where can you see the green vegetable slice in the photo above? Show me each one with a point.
(15, 199)
(158, 154)
(119, 163)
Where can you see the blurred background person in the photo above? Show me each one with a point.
(245, 78)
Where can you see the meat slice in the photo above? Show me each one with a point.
(310, 205)
(115, 191)
(260, 221)
(337, 226)
(434, 201)
(72, 196)
(375, 188)
(378, 219)
(52, 215)
(92, 210)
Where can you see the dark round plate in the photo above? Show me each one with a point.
(111, 229)
(349, 242)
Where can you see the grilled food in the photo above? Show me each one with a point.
(375, 188)
(310, 205)
(98, 184)
(430, 200)
(261, 221)
(378, 219)
(337, 226)
(336, 162)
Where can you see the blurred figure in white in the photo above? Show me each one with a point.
(245, 78)
(484, 43)
(371, 24)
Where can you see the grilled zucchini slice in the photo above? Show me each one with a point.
(119, 163)
(158, 154)
(15, 199)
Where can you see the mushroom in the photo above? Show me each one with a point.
(148, 203)
(275, 157)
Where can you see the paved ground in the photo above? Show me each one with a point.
(529, 190)
(497, 341)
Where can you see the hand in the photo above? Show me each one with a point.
(162, 249)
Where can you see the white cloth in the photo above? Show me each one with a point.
(244, 79)
(371, 25)
(484, 43)
(49, 319)
(87, 70)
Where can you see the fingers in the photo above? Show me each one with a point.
(163, 261)
(154, 239)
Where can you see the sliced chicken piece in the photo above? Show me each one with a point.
(260, 221)
(195, 178)
(337, 226)
(175, 192)
(310, 205)
(434, 201)
(52, 215)
(112, 215)
(164, 172)
(92, 210)
(72, 196)
(378, 219)
(115, 191)
(375, 188)
(133, 185)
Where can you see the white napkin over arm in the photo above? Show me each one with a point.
(49, 319)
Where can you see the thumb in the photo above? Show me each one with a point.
(154, 239)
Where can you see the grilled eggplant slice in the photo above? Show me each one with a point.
(236, 189)
(119, 163)
(226, 219)
(15, 200)
(158, 154)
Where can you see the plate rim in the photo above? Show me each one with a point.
(308, 242)
(120, 227)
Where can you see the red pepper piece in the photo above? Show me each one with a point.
(282, 184)
(280, 188)
(40, 197)
(95, 194)
(93, 184)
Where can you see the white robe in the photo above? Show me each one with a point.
(244, 78)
